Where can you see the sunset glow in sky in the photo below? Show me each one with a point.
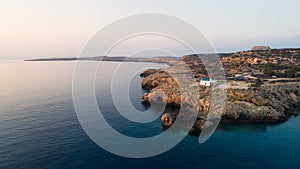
(55, 28)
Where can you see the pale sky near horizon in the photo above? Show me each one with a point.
(56, 28)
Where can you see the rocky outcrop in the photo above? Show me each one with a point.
(168, 119)
(148, 72)
(267, 103)
(263, 100)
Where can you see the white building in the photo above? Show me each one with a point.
(206, 82)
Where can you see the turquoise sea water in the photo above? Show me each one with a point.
(39, 128)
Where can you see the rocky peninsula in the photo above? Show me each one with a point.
(262, 86)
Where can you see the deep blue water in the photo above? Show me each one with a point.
(39, 129)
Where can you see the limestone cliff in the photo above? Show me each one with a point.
(263, 102)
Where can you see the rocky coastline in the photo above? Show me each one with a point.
(264, 102)
(260, 99)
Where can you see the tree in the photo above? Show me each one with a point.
(290, 72)
(268, 70)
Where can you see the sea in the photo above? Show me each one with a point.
(39, 127)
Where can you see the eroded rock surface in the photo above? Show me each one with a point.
(269, 102)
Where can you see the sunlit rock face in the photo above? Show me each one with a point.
(167, 118)
(264, 102)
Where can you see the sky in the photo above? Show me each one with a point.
(60, 28)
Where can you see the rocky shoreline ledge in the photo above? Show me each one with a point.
(270, 103)
(260, 102)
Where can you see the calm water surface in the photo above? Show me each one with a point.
(39, 128)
